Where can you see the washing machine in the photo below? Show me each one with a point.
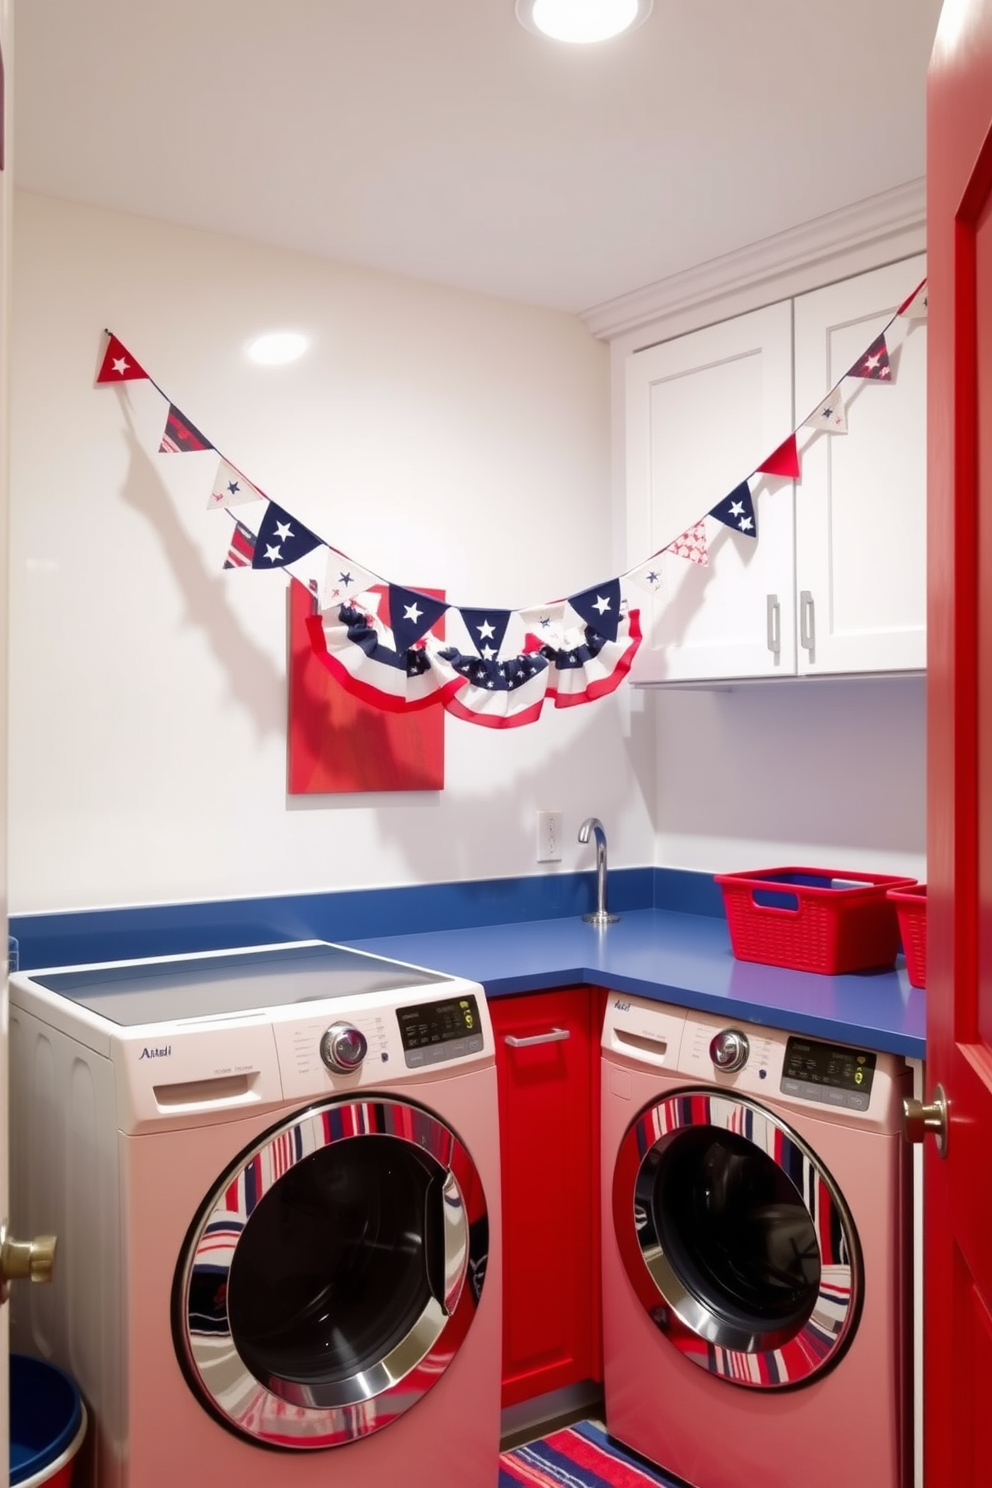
(274, 1178)
(756, 1268)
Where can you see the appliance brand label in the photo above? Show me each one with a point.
(149, 1053)
(621, 1006)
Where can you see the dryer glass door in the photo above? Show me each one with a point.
(332, 1273)
(737, 1239)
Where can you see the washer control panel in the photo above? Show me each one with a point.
(831, 1074)
(380, 1038)
(437, 1031)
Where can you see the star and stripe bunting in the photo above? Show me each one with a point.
(384, 642)
(181, 436)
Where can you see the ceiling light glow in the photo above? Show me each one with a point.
(582, 20)
(277, 347)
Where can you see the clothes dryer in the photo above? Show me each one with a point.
(274, 1175)
(755, 1252)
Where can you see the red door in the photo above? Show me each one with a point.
(958, 1188)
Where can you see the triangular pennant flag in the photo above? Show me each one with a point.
(875, 362)
(737, 511)
(310, 570)
(546, 623)
(600, 608)
(646, 576)
(915, 306)
(831, 414)
(411, 615)
(486, 629)
(282, 539)
(231, 488)
(242, 549)
(118, 364)
(345, 581)
(692, 544)
(783, 461)
(181, 437)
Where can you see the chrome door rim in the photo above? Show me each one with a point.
(771, 1359)
(292, 1414)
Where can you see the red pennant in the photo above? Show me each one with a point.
(784, 461)
(118, 364)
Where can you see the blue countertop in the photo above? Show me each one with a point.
(673, 957)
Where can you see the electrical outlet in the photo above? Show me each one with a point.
(549, 836)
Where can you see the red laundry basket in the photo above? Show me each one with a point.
(812, 919)
(911, 910)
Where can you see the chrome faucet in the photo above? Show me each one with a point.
(592, 826)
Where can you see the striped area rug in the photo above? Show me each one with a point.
(579, 1457)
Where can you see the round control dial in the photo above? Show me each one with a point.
(729, 1050)
(343, 1047)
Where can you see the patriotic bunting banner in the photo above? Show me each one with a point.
(180, 435)
(231, 488)
(385, 642)
(784, 461)
(692, 545)
(118, 364)
(875, 362)
(831, 415)
(737, 511)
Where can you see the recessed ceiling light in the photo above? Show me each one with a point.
(582, 20)
(276, 347)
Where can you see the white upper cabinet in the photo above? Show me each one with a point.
(861, 505)
(702, 412)
(835, 581)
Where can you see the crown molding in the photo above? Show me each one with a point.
(879, 229)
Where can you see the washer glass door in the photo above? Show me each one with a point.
(736, 1239)
(332, 1273)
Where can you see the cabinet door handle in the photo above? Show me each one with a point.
(807, 621)
(773, 620)
(554, 1037)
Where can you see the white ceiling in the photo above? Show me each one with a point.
(438, 138)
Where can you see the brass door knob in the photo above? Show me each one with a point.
(922, 1117)
(26, 1260)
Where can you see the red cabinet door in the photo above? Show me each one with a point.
(547, 1061)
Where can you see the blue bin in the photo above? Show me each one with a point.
(47, 1423)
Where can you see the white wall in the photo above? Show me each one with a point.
(817, 773)
(442, 438)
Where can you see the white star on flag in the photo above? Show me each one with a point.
(273, 554)
(830, 415)
(284, 531)
(412, 613)
(119, 365)
(601, 604)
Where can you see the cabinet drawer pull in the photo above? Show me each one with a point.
(554, 1037)
(773, 621)
(807, 622)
